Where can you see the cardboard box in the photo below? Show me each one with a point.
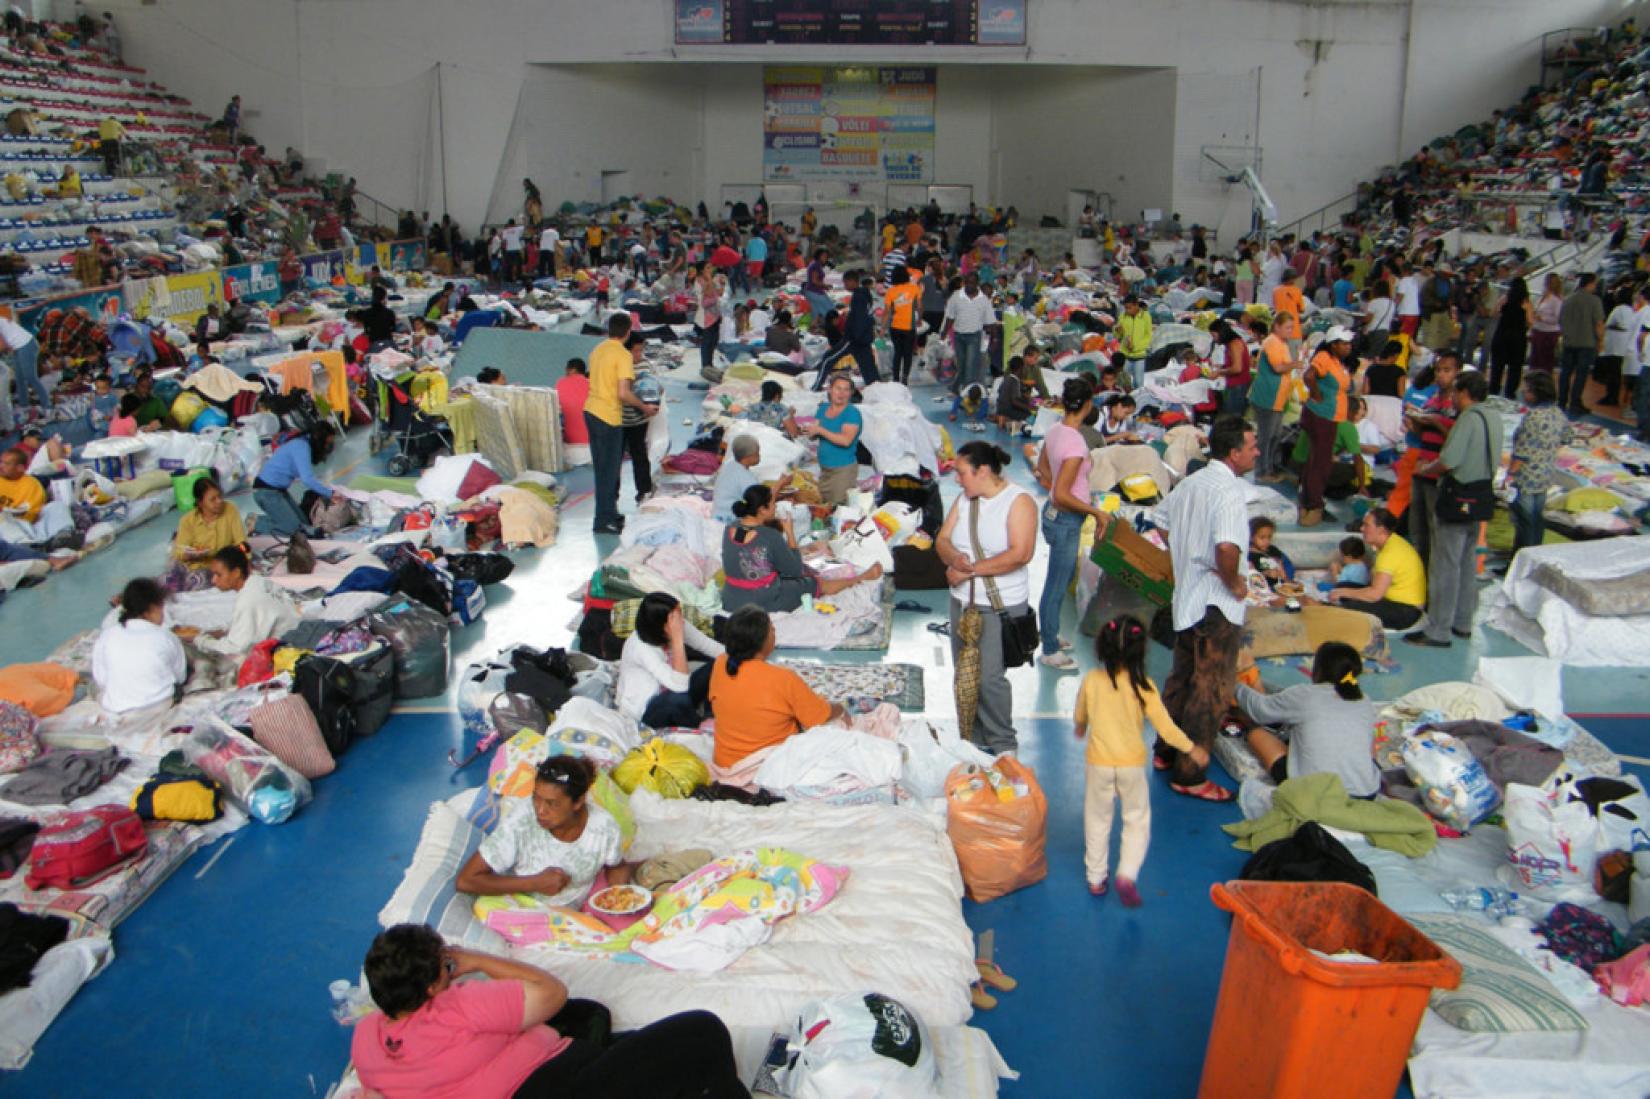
(1139, 565)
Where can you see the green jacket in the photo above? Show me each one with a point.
(1396, 825)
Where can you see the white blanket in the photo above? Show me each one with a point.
(1542, 620)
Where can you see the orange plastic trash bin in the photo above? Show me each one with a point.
(1289, 1020)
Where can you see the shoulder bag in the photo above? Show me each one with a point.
(1468, 501)
(1020, 636)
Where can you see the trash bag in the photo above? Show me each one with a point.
(510, 713)
(1454, 786)
(857, 1045)
(1310, 855)
(419, 638)
(667, 769)
(997, 819)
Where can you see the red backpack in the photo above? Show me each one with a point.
(79, 848)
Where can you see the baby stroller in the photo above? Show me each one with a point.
(418, 437)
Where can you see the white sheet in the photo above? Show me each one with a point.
(1544, 622)
(896, 927)
(25, 1013)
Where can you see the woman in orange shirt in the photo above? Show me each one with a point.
(757, 705)
(1329, 384)
(1287, 298)
(903, 299)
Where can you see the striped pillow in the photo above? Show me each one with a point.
(1500, 992)
(289, 730)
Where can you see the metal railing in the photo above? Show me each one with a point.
(1319, 219)
(1585, 48)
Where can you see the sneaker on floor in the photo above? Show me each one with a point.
(1060, 662)
(1127, 893)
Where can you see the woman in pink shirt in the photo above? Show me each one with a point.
(1069, 504)
(436, 1037)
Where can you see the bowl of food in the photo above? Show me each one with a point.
(620, 906)
(1289, 589)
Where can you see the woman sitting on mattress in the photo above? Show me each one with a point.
(512, 1033)
(761, 562)
(552, 845)
(755, 704)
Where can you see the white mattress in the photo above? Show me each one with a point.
(1543, 621)
(896, 927)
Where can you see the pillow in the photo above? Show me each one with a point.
(287, 727)
(428, 892)
(43, 689)
(1500, 992)
(477, 480)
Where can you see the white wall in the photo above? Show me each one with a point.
(1342, 86)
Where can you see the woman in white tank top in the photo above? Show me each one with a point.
(1007, 525)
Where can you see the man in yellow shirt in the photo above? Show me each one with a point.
(593, 244)
(1397, 588)
(110, 134)
(20, 494)
(1134, 335)
(612, 370)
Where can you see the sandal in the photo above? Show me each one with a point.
(980, 998)
(942, 628)
(909, 605)
(1203, 791)
(992, 974)
(1160, 764)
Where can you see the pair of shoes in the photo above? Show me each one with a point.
(1099, 888)
(1059, 661)
(1127, 893)
(992, 974)
(1310, 517)
(1420, 638)
(1203, 791)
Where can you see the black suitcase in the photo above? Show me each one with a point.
(374, 692)
(328, 686)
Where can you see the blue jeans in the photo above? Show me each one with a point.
(1575, 366)
(1062, 534)
(821, 305)
(27, 359)
(968, 360)
(1529, 519)
(607, 455)
(281, 514)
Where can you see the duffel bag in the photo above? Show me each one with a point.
(374, 693)
(419, 638)
(78, 848)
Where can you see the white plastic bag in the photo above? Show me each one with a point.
(1454, 786)
(1552, 843)
(929, 754)
(862, 546)
(859, 1047)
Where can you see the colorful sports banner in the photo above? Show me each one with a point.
(191, 294)
(859, 123)
(251, 282)
(323, 266)
(104, 304)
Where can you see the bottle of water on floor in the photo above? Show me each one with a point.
(1494, 903)
(350, 1001)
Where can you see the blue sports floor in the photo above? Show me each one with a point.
(220, 981)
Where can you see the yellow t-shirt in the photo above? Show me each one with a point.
(25, 492)
(610, 364)
(1399, 560)
(1116, 720)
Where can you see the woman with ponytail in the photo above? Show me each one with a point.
(762, 564)
(1330, 725)
(137, 662)
(1113, 706)
(757, 705)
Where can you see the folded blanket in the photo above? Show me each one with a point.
(1394, 825)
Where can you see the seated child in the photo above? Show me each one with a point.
(1265, 558)
(124, 421)
(1013, 406)
(105, 401)
(1347, 566)
(970, 404)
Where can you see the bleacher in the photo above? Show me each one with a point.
(68, 97)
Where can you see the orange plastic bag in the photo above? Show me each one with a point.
(997, 821)
(42, 689)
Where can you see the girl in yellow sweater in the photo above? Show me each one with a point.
(1113, 706)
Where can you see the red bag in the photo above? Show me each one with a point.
(79, 848)
(259, 664)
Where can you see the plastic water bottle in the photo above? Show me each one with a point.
(1492, 902)
(350, 1001)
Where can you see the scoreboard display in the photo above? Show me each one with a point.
(851, 22)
